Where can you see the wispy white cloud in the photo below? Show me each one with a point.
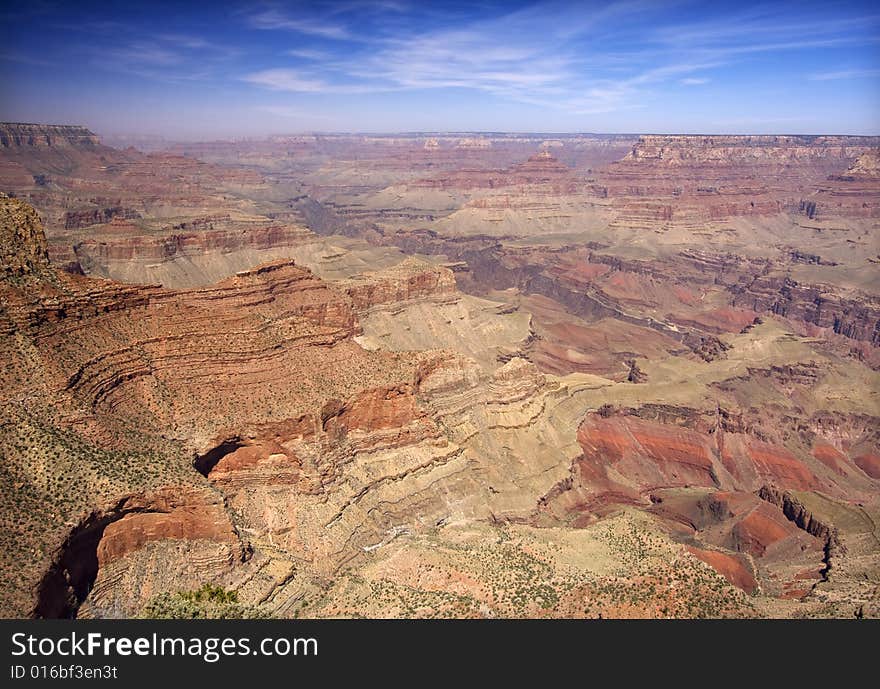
(22, 58)
(310, 54)
(763, 27)
(282, 79)
(550, 54)
(185, 41)
(534, 56)
(275, 19)
(144, 53)
(846, 74)
(283, 111)
(166, 57)
(292, 80)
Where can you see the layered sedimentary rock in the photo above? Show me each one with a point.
(620, 388)
(691, 180)
(74, 220)
(75, 182)
(187, 254)
(82, 357)
(307, 434)
(725, 151)
(852, 193)
(410, 279)
(856, 318)
(710, 481)
(540, 169)
(702, 292)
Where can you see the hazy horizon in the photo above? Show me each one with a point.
(257, 69)
(146, 137)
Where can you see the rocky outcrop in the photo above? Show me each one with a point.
(245, 356)
(858, 319)
(112, 247)
(108, 535)
(74, 220)
(410, 279)
(866, 165)
(23, 247)
(797, 513)
(173, 516)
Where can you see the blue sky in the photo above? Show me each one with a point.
(220, 69)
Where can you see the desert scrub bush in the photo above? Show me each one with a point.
(206, 603)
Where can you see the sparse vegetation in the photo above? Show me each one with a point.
(210, 602)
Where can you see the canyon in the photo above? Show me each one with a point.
(441, 375)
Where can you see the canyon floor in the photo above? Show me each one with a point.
(450, 375)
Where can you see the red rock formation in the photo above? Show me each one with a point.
(172, 514)
(376, 409)
(731, 567)
(831, 457)
(264, 462)
(647, 454)
(410, 279)
(778, 464)
(625, 458)
(116, 245)
(78, 219)
(869, 463)
(759, 529)
(723, 320)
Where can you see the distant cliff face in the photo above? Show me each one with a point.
(692, 182)
(725, 150)
(542, 172)
(16, 135)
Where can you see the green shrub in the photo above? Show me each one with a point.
(209, 602)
